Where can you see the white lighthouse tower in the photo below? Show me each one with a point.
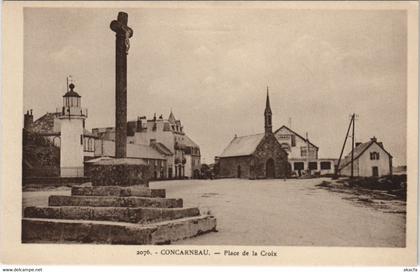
(72, 118)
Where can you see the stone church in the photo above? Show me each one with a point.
(255, 156)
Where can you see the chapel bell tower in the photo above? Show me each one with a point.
(72, 119)
(268, 126)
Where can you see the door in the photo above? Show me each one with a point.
(269, 169)
(375, 171)
(179, 171)
(170, 172)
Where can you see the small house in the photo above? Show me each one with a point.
(370, 159)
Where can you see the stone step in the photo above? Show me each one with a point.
(114, 201)
(120, 214)
(35, 230)
(117, 191)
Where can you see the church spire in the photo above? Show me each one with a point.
(267, 115)
(171, 118)
(267, 103)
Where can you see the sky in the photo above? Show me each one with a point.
(212, 66)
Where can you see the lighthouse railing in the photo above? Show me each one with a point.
(71, 111)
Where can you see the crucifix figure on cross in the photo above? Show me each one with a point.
(122, 30)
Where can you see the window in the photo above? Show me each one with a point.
(298, 165)
(303, 152)
(91, 144)
(374, 155)
(325, 165)
(313, 165)
(85, 144)
(293, 140)
(285, 146)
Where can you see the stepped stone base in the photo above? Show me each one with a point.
(117, 191)
(114, 201)
(131, 215)
(115, 213)
(104, 232)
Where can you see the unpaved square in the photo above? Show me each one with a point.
(286, 213)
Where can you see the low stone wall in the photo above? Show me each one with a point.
(54, 180)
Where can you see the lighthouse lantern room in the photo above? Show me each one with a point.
(72, 120)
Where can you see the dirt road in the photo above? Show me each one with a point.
(287, 213)
(276, 212)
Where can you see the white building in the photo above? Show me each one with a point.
(168, 137)
(303, 155)
(370, 159)
(72, 118)
(152, 157)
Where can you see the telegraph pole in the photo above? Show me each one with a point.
(352, 148)
(351, 126)
(307, 153)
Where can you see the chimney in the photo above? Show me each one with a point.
(28, 120)
(131, 128)
(139, 124)
(358, 143)
(154, 123)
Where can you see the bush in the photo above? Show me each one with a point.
(382, 183)
(324, 183)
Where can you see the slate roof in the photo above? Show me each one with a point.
(44, 124)
(242, 146)
(133, 151)
(188, 142)
(171, 118)
(88, 133)
(162, 148)
(358, 151)
(143, 151)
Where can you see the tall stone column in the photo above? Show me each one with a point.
(122, 44)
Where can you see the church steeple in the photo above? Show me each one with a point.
(267, 116)
(171, 118)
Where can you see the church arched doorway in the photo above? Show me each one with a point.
(269, 169)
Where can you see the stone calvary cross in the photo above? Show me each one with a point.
(122, 44)
(119, 207)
